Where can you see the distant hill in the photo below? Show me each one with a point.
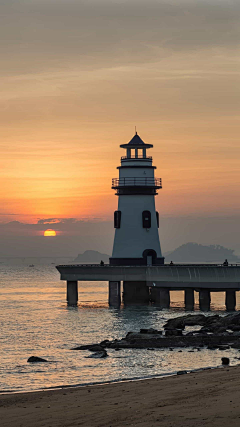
(193, 252)
(91, 257)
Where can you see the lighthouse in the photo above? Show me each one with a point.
(136, 222)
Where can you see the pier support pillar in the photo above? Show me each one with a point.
(161, 297)
(114, 294)
(135, 293)
(72, 292)
(189, 299)
(204, 299)
(230, 300)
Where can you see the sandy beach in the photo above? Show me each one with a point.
(206, 398)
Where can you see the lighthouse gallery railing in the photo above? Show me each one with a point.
(138, 181)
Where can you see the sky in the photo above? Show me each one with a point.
(77, 77)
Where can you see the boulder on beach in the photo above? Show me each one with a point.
(35, 359)
(225, 361)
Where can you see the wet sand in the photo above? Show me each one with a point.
(206, 398)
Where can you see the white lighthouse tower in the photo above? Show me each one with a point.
(136, 221)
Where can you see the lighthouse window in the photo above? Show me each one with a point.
(117, 219)
(157, 216)
(146, 219)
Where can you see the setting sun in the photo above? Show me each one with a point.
(50, 233)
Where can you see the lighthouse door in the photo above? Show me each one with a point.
(149, 256)
(149, 260)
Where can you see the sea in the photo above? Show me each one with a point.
(36, 321)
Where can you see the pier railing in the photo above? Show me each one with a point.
(151, 266)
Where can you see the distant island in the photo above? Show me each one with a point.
(189, 252)
(91, 257)
(194, 252)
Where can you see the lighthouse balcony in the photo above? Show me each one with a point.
(136, 185)
(139, 157)
(141, 161)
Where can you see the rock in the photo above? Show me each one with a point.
(173, 332)
(129, 334)
(221, 330)
(190, 334)
(137, 336)
(181, 372)
(35, 359)
(212, 347)
(98, 355)
(223, 347)
(90, 347)
(234, 328)
(96, 347)
(104, 343)
(150, 331)
(225, 361)
(236, 345)
(188, 320)
(205, 330)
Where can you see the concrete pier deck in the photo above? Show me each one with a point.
(143, 284)
(215, 277)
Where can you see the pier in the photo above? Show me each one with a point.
(144, 284)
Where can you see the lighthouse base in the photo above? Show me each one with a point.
(135, 293)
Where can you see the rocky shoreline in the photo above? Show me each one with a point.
(213, 332)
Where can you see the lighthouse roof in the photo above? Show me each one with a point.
(136, 142)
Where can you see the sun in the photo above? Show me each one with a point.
(50, 233)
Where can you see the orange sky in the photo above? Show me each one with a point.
(78, 76)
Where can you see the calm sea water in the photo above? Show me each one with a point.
(35, 320)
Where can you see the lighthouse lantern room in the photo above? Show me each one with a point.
(136, 221)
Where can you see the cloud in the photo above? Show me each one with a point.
(23, 239)
(67, 226)
(7, 214)
(99, 34)
(49, 221)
